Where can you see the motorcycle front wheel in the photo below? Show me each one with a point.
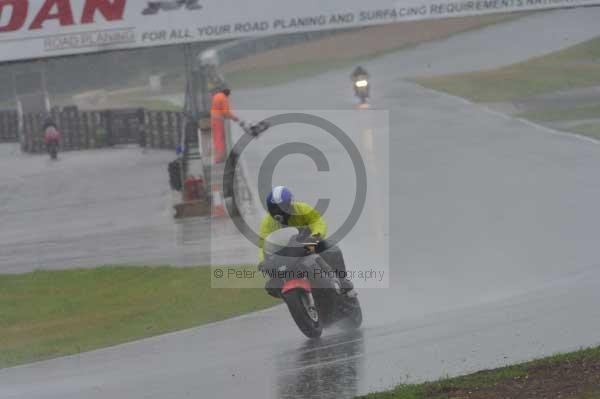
(307, 319)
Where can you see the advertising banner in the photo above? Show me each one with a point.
(49, 28)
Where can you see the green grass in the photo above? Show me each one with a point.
(591, 130)
(482, 379)
(46, 314)
(266, 77)
(158, 105)
(143, 100)
(575, 67)
(563, 114)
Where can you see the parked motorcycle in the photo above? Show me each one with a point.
(308, 285)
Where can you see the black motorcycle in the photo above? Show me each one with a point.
(307, 284)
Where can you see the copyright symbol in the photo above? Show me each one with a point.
(266, 174)
(218, 273)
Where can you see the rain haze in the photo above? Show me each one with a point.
(445, 193)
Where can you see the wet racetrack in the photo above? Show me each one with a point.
(493, 230)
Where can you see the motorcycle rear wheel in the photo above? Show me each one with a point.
(297, 303)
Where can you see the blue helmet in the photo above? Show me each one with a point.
(279, 201)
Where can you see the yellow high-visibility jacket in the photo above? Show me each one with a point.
(303, 215)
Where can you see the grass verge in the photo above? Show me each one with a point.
(563, 113)
(574, 67)
(149, 101)
(574, 375)
(46, 314)
(274, 76)
(590, 130)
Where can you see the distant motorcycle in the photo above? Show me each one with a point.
(360, 81)
(52, 140)
(310, 289)
(361, 88)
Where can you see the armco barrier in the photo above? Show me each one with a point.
(9, 126)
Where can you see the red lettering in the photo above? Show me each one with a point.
(18, 14)
(112, 10)
(63, 13)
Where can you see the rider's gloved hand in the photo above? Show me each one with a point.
(316, 238)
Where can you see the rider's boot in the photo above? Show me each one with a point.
(334, 257)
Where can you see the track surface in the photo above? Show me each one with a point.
(493, 240)
(96, 207)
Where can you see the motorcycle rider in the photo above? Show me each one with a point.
(358, 73)
(51, 133)
(361, 90)
(284, 211)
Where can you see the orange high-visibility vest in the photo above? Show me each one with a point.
(220, 107)
(218, 113)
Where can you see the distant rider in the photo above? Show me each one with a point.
(359, 73)
(51, 132)
(284, 211)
